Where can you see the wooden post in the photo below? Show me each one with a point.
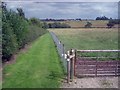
(75, 52)
(96, 64)
(71, 64)
(68, 68)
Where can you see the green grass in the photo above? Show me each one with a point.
(88, 38)
(38, 67)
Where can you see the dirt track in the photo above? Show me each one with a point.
(92, 82)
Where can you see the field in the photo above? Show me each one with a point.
(84, 39)
(37, 67)
(80, 24)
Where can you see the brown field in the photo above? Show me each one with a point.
(80, 24)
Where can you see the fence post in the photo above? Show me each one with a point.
(63, 51)
(68, 67)
(71, 64)
(75, 53)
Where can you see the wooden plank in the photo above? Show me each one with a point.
(106, 69)
(85, 75)
(82, 70)
(98, 50)
(85, 66)
(106, 66)
(106, 72)
(86, 72)
(85, 63)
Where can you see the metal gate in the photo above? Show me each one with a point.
(96, 65)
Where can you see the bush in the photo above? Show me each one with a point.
(88, 25)
(9, 41)
(58, 25)
(18, 31)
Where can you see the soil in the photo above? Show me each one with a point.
(92, 82)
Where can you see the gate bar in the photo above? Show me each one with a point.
(98, 50)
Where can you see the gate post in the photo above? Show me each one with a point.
(75, 53)
(72, 55)
(68, 67)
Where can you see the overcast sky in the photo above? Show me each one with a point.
(57, 10)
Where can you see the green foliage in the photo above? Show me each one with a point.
(34, 32)
(37, 22)
(20, 27)
(45, 25)
(9, 42)
(39, 67)
(58, 25)
(111, 23)
(20, 12)
(18, 31)
(88, 25)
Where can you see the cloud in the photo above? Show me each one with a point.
(67, 10)
(64, 0)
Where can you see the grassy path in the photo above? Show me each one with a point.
(38, 67)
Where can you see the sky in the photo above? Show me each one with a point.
(66, 10)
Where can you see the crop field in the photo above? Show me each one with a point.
(84, 39)
(80, 24)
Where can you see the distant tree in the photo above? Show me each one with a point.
(102, 18)
(20, 12)
(36, 21)
(78, 19)
(45, 25)
(111, 23)
(58, 25)
(88, 25)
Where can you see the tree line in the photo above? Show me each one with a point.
(17, 31)
(56, 25)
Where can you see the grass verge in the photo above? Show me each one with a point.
(38, 67)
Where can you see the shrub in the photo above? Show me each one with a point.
(58, 25)
(88, 25)
(18, 31)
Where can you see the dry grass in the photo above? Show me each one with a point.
(78, 24)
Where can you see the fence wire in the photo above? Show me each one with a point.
(60, 48)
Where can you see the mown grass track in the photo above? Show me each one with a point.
(38, 67)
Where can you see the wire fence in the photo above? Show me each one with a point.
(74, 58)
(60, 49)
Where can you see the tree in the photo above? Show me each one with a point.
(9, 41)
(20, 12)
(17, 31)
(102, 18)
(88, 25)
(45, 25)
